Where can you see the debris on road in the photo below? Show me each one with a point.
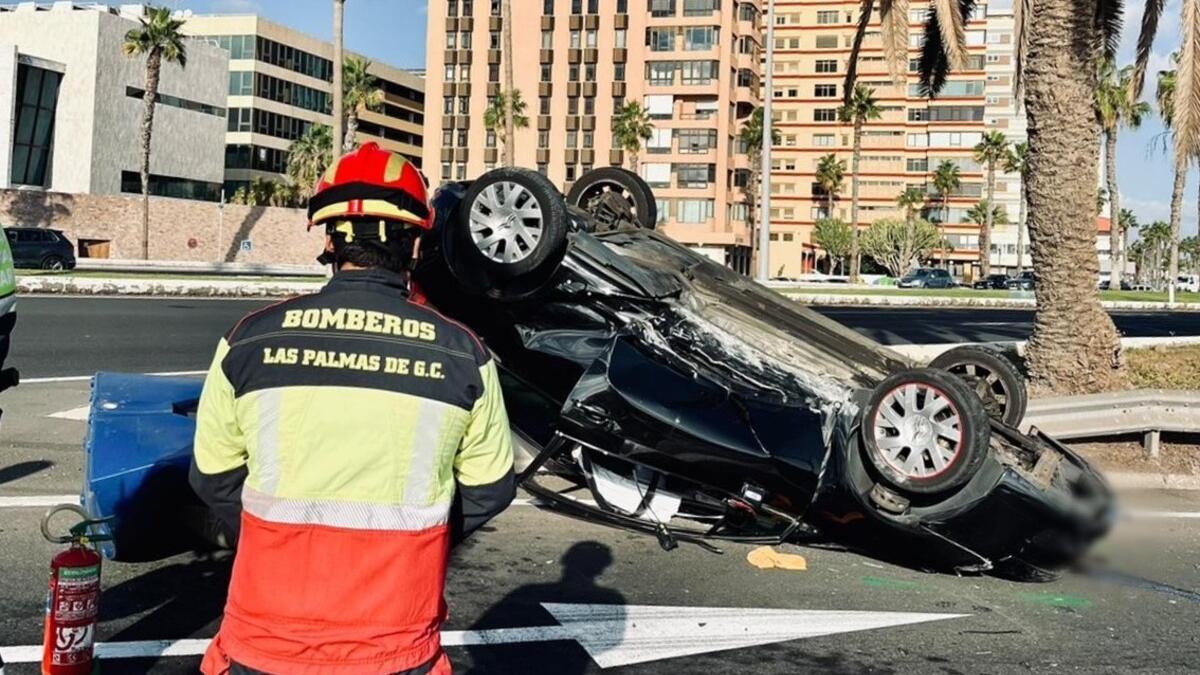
(765, 558)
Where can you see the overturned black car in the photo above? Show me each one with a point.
(694, 404)
(690, 403)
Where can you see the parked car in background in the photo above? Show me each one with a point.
(927, 277)
(1106, 285)
(1188, 282)
(992, 281)
(1023, 282)
(40, 248)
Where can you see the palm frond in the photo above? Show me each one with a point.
(951, 24)
(893, 16)
(1145, 43)
(933, 66)
(1109, 18)
(1186, 101)
(864, 18)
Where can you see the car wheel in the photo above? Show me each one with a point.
(925, 431)
(53, 262)
(611, 195)
(514, 220)
(996, 380)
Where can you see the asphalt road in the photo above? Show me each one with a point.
(1141, 616)
(79, 336)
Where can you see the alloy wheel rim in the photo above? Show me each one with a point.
(601, 188)
(987, 384)
(918, 430)
(506, 222)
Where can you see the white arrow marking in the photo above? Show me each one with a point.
(613, 635)
(79, 414)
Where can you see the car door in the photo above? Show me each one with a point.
(18, 241)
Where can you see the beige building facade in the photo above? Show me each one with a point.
(903, 148)
(693, 64)
(280, 83)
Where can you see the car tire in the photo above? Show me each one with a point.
(638, 198)
(925, 432)
(995, 378)
(54, 262)
(512, 222)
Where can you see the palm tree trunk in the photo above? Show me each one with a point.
(1074, 347)
(633, 162)
(351, 130)
(1021, 229)
(339, 10)
(752, 217)
(985, 236)
(1176, 209)
(944, 253)
(153, 71)
(506, 44)
(829, 204)
(1116, 238)
(855, 261)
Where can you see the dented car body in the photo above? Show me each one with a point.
(694, 405)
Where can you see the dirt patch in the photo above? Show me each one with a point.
(1178, 455)
(1164, 367)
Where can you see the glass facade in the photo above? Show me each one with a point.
(176, 102)
(169, 186)
(33, 135)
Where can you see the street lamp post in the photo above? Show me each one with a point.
(764, 208)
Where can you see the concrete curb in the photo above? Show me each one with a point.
(929, 352)
(164, 287)
(832, 299)
(1128, 480)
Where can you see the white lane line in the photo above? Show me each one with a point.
(79, 414)
(84, 378)
(37, 501)
(1165, 514)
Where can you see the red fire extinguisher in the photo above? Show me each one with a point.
(73, 599)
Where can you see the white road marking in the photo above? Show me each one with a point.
(79, 414)
(1165, 514)
(85, 378)
(37, 501)
(613, 635)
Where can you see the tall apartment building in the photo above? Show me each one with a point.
(280, 83)
(901, 149)
(694, 64)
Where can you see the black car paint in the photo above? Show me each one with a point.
(33, 246)
(608, 353)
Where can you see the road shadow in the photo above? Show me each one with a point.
(582, 565)
(254, 215)
(20, 470)
(171, 601)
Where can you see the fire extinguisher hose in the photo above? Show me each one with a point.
(79, 533)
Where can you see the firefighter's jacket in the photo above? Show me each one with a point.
(350, 421)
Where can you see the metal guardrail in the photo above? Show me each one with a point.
(182, 267)
(1146, 411)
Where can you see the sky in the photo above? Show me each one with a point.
(393, 31)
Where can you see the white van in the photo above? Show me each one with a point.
(1188, 282)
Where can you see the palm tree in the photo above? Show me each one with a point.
(1114, 108)
(980, 214)
(1075, 346)
(360, 91)
(831, 172)
(1165, 96)
(991, 151)
(1018, 162)
(339, 111)
(495, 118)
(911, 201)
(946, 180)
(751, 136)
(632, 127)
(859, 107)
(510, 112)
(159, 38)
(308, 157)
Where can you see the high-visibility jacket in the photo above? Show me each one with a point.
(350, 420)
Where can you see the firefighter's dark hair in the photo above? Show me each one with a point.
(367, 251)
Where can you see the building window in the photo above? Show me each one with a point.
(660, 39)
(695, 175)
(700, 7)
(570, 172)
(33, 134)
(460, 173)
(589, 72)
(468, 8)
(920, 165)
(577, 6)
(698, 72)
(241, 83)
(462, 138)
(693, 211)
(543, 139)
(697, 39)
(827, 66)
(619, 37)
(447, 138)
(448, 105)
(619, 72)
(493, 39)
(572, 139)
(661, 8)
(589, 105)
(593, 6)
(446, 172)
(575, 39)
(747, 12)
(543, 168)
(590, 39)
(823, 140)
(546, 72)
(660, 73)
(548, 7)
(176, 102)
(464, 105)
(573, 73)
(451, 39)
(918, 114)
(826, 42)
(450, 71)
(493, 72)
(826, 17)
(825, 115)
(622, 6)
(452, 8)
(697, 141)
(589, 139)
(825, 90)
(573, 105)
(170, 186)
(544, 105)
(495, 9)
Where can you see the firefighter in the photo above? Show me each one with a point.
(346, 439)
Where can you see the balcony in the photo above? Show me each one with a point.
(616, 157)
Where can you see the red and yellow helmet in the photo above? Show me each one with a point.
(371, 182)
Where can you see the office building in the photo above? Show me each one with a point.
(71, 107)
(693, 64)
(280, 83)
(902, 149)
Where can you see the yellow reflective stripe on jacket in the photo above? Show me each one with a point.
(486, 455)
(344, 514)
(220, 445)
